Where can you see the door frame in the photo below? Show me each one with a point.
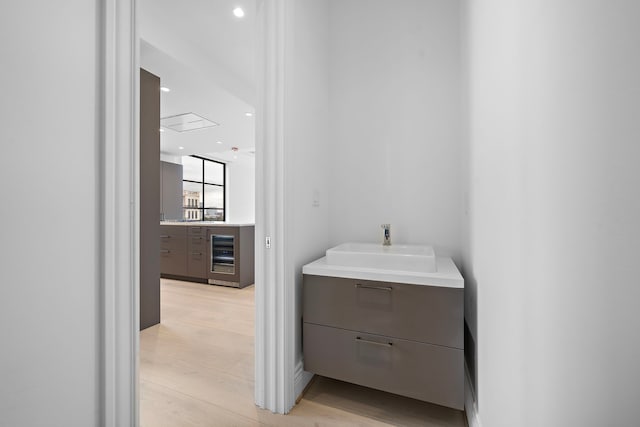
(120, 219)
(275, 301)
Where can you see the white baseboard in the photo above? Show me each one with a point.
(470, 402)
(302, 379)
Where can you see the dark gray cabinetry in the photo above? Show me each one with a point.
(173, 250)
(414, 369)
(219, 255)
(170, 191)
(197, 252)
(420, 313)
(401, 338)
(246, 260)
(149, 199)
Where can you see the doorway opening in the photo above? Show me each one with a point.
(120, 223)
(199, 358)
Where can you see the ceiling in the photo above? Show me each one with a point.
(205, 56)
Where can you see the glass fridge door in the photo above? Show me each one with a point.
(222, 254)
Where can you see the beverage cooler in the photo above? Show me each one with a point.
(231, 256)
(223, 259)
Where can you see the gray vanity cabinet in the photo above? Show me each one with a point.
(401, 338)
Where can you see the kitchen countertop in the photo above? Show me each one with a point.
(447, 274)
(206, 223)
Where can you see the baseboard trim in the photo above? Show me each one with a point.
(470, 401)
(302, 379)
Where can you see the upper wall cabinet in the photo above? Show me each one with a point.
(170, 191)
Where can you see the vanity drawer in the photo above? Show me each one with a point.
(422, 371)
(429, 314)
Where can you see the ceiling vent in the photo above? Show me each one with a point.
(186, 122)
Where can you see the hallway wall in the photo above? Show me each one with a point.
(49, 292)
(553, 228)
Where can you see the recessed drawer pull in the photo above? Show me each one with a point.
(164, 237)
(196, 253)
(164, 251)
(377, 288)
(198, 237)
(383, 344)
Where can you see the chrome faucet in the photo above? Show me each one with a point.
(387, 234)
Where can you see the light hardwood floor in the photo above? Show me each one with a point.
(196, 369)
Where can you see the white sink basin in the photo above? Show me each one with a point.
(375, 256)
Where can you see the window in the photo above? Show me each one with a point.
(203, 183)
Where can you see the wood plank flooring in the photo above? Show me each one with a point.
(196, 369)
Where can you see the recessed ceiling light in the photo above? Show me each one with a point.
(238, 12)
(248, 114)
(165, 89)
(161, 130)
(181, 148)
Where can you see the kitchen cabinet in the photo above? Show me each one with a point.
(197, 253)
(170, 191)
(216, 254)
(173, 250)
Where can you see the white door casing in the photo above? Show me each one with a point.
(120, 214)
(119, 104)
(274, 381)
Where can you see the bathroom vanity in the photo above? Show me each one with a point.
(394, 330)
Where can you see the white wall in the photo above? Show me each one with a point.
(49, 310)
(553, 226)
(492, 264)
(394, 123)
(306, 150)
(241, 191)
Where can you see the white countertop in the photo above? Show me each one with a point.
(206, 223)
(447, 274)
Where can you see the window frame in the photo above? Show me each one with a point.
(203, 183)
